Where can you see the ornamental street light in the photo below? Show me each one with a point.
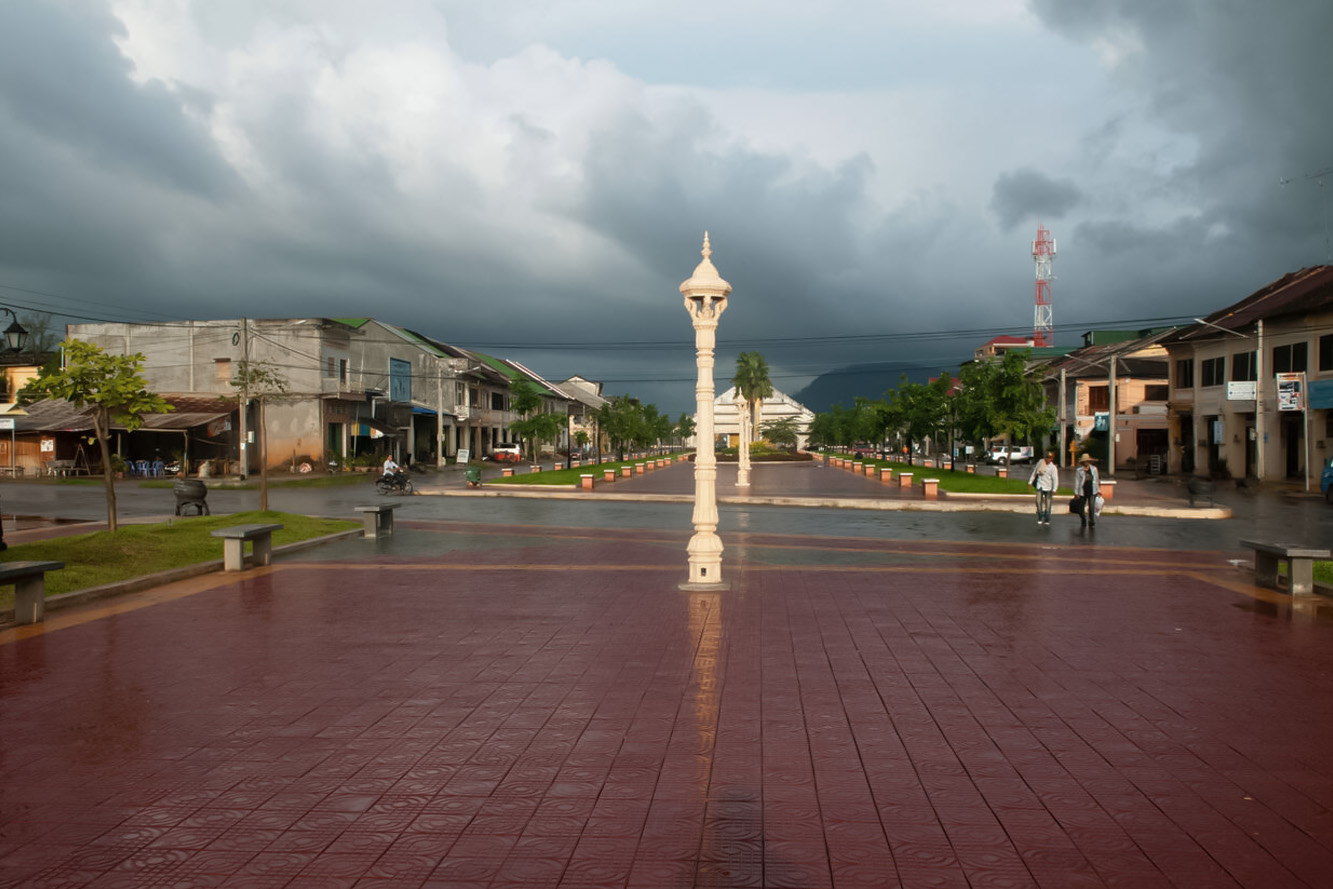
(15, 336)
(705, 299)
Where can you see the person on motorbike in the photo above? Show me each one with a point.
(390, 469)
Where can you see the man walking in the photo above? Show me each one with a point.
(1087, 484)
(1045, 478)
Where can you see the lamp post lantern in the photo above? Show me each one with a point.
(705, 299)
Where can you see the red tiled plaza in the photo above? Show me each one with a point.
(541, 707)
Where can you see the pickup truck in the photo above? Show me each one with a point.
(1015, 454)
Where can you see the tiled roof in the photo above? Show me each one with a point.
(1297, 293)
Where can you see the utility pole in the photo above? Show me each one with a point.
(1110, 418)
(1260, 430)
(245, 399)
(1064, 419)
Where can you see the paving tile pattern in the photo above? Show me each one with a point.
(849, 714)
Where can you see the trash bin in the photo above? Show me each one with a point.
(190, 494)
(474, 476)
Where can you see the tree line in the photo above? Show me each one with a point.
(989, 399)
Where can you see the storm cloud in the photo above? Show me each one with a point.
(496, 174)
(1028, 195)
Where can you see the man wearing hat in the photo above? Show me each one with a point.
(1087, 483)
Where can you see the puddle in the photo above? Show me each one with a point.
(1307, 609)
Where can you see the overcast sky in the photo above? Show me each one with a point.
(534, 178)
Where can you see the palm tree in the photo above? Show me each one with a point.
(752, 384)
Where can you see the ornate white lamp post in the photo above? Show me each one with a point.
(743, 442)
(705, 299)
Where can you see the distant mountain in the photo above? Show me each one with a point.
(868, 380)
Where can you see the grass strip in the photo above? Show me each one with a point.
(565, 476)
(103, 557)
(957, 482)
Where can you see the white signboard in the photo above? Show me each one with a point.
(464, 454)
(6, 423)
(1242, 390)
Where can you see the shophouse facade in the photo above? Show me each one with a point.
(352, 386)
(1251, 389)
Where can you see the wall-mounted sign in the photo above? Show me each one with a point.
(6, 423)
(1290, 392)
(1242, 390)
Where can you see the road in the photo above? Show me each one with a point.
(1270, 515)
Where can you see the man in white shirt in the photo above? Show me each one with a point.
(390, 467)
(1045, 478)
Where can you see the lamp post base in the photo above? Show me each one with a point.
(691, 587)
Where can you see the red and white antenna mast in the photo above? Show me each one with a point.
(1043, 251)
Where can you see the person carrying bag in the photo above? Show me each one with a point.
(1087, 485)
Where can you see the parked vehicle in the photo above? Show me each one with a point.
(507, 453)
(1014, 454)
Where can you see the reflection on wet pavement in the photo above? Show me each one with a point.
(527, 705)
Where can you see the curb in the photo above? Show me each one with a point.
(148, 581)
(1017, 503)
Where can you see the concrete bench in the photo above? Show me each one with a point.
(585, 481)
(931, 487)
(29, 580)
(1300, 565)
(905, 479)
(886, 474)
(233, 544)
(377, 520)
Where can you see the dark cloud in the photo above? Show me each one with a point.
(1166, 203)
(1029, 195)
(63, 78)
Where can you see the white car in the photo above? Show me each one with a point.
(1014, 453)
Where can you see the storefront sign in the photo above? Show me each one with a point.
(1242, 390)
(1290, 392)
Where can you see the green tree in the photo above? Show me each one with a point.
(260, 380)
(620, 419)
(752, 384)
(112, 385)
(684, 428)
(917, 410)
(534, 425)
(784, 433)
(998, 397)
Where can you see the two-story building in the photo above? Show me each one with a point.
(349, 386)
(1251, 388)
(1117, 380)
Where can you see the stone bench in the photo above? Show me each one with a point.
(931, 487)
(1300, 565)
(608, 475)
(29, 580)
(377, 520)
(905, 479)
(233, 545)
(585, 481)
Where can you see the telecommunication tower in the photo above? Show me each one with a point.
(1043, 251)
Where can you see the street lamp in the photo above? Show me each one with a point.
(705, 299)
(15, 336)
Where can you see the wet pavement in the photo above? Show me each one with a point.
(536, 704)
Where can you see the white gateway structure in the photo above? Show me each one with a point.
(778, 406)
